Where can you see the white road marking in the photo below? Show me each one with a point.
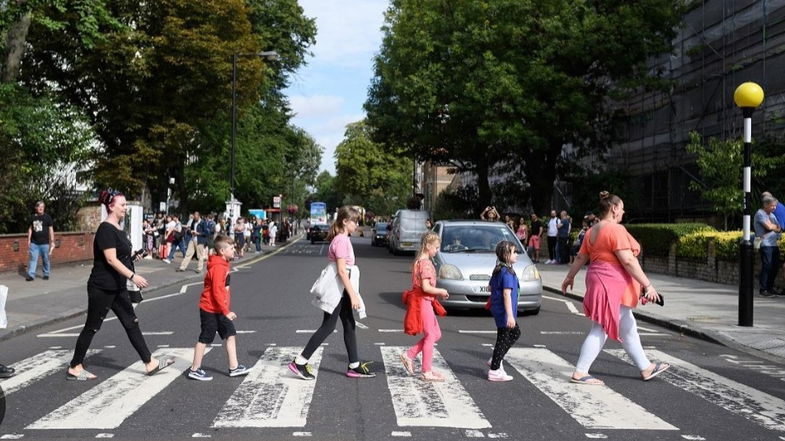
(539, 346)
(201, 435)
(246, 332)
(108, 404)
(39, 366)
(474, 434)
(694, 437)
(379, 344)
(309, 331)
(652, 334)
(433, 404)
(500, 435)
(594, 407)
(401, 434)
(569, 303)
(390, 330)
(562, 332)
(105, 435)
(12, 436)
(76, 334)
(302, 434)
(596, 436)
(464, 331)
(271, 396)
(361, 325)
(752, 404)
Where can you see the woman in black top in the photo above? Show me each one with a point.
(106, 289)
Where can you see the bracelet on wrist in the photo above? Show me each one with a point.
(132, 276)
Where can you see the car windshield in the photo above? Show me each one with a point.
(475, 238)
(381, 227)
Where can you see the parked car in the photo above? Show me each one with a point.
(466, 260)
(408, 228)
(379, 236)
(318, 233)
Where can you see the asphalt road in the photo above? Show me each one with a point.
(712, 393)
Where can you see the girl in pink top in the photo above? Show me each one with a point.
(613, 281)
(342, 253)
(424, 291)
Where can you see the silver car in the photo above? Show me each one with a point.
(466, 260)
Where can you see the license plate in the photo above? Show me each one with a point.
(482, 289)
(407, 244)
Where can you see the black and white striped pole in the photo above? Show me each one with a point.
(748, 96)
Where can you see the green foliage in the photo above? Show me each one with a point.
(656, 239)
(41, 143)
(456, 204)
(510, 82)
(369, 174)
(326, 192)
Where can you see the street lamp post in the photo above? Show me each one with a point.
(268, 55)
(748, 96)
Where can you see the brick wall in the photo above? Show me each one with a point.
(69, 247)
(710, 269)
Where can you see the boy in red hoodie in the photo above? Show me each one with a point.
(214, 312)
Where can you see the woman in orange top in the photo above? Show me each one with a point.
(613, 283)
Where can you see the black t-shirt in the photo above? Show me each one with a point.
(103, 275)
(536, 227)
(40, 224)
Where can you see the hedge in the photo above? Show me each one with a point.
(656, 239)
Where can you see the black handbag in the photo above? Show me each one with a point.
(135, 296)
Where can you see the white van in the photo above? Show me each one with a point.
(408, 228)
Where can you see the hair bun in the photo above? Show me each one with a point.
(604, 195)
(104, 197)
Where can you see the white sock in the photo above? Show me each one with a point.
(300, 360)
(354, 365)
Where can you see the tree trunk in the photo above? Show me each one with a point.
(14, 48)
(540, 169)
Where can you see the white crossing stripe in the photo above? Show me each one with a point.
(433, 404)
(108, 404)
(752, 404)
(271, 396)
(594, 407)
(39, 366)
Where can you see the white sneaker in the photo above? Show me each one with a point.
(501, 365)
(167, 261)
(498, 375)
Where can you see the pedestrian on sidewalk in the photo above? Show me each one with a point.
(522, 232)
(490, 214)
(613, 286)
(273, 232)
(421, 309)
(107, 289)
(563, 238)
(553, 234)
(239, 236)
(504, 307)
(215, 314)
(200, 231)
(342, 265)
(535, 237)
(768, 229)
(40, 241)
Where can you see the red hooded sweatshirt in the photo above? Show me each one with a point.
(215, 296)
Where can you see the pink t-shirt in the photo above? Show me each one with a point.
(341, 248)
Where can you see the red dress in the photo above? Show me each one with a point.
(412, 321)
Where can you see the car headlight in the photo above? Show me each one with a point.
(450, 272)
(530, 273)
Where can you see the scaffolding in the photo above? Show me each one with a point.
(721, 44)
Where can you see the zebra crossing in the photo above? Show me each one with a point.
(271, 397)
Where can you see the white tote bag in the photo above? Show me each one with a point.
(3, 297)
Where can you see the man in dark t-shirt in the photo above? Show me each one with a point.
(40, 240)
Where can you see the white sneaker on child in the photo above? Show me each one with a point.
(501, 364)
(498, 375)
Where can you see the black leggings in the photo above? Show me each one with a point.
(99, 302)
(505, 338)
(344, 312)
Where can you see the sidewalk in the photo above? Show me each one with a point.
(700, 309)
(31, 305)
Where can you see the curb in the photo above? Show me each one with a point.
(22, 329)
(687, 329)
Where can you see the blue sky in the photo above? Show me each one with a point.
(330, 91)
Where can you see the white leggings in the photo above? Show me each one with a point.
(628, 332)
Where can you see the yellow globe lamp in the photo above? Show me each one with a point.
(748, 95)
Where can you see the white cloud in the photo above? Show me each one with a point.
(347, 30)
(315, 106)
(328, 133)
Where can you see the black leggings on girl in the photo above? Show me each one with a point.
(505, 338)
(344, 312)
(99, 302)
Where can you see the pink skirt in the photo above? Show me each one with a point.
(605, 285)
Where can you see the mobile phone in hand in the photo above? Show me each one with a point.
(660, 302)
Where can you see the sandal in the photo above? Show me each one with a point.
(432, 376)
(83, 375)
(408, 364)
(588, 380)
(162, 364)
(658, 369)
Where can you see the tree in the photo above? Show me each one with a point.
(326, 191)
(720, 164)
(509, 82)
(369, 174)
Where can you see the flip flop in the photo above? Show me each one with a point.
(162, 364)
(84, 375)
(587, 380)
(658, 369)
